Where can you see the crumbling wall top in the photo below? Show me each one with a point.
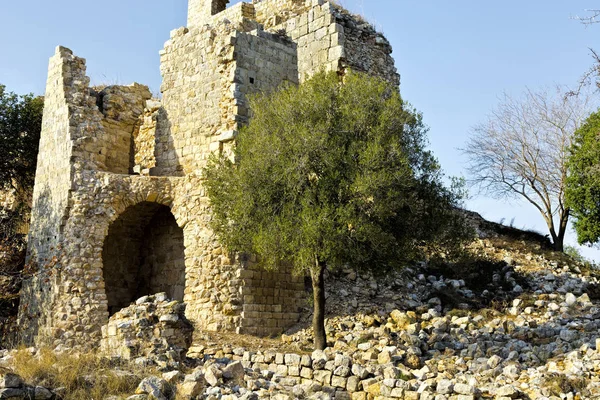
(200, 11)
(267, 12)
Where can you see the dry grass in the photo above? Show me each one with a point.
(556, 384)
(83, 376)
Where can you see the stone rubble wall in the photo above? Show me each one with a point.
(154, 328)
(12, 386)
(121, 107)
(364, 49)
(53, 184)
(144, 139)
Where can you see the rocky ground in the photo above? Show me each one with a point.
(516, 322)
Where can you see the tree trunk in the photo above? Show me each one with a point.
(562, 229)
(318, 285)
(558, 240)
(559, 243)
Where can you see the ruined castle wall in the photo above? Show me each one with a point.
(208, 72)
(319, 39)
(65, 300)
(329, 37)
(101, 197)
(234, 14)
(263, 62)
(274, 12)
(121, 107)
(197, 68)
(58, 145)
(267, 302)
(365, 49)
(53, 174)
(100, 247)
(144, 139)
(271, 300)
(200, 11)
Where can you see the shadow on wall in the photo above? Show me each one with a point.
(168, 162)
(143, 254)
(42, 267)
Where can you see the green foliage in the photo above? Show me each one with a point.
(20, 127)
(583, 182)
(331, 174)
(575, 254)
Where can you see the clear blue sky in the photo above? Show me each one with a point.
(455, 58)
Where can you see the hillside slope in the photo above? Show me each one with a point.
(511, 319)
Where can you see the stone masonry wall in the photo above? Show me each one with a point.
(162, 257)
(197, 69)
(68, 299)
(365, 49)
(201, 10)
(52, 187)
(143, 254)
(53, 175)
(318, 37)
(119, 205)
(144, 139)
(121, 107)
(274, 12)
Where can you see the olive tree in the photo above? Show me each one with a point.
(521, 150)
(20, 127)
(329, 174)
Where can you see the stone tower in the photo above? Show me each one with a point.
(202, 10)
(119, 209)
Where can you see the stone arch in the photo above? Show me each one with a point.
(143, 253)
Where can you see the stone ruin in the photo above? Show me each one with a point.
(119, 210)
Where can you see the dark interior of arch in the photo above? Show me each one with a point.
(143, 254)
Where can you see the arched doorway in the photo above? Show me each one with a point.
(143, 254)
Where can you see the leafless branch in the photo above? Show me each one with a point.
(592, 18)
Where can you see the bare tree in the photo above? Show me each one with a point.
(521, 151)
(593, 73)
(593, 17)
